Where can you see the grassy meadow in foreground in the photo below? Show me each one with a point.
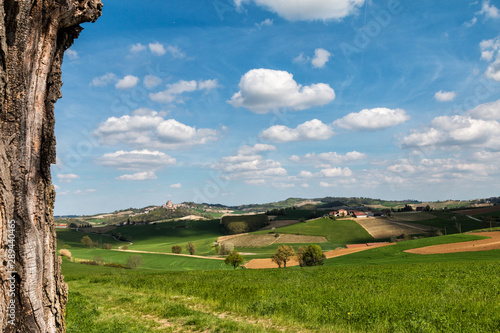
(379, 290)
(427, 297)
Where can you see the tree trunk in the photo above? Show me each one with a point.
(33, 37)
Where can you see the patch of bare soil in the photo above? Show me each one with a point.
(268, 263)
(192, 218)
(252, 240)
(492, 243)
(269, 239)
(381, 228)
(289, 238)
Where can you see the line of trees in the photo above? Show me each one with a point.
(311, 255)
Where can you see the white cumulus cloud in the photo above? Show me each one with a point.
(265, 23)
(264, 90)
(328, 158)
(148, 129)
(490, 11)
(487, 111)
(139, 176)
(296, 10)
(309, 131)
(129, 81)
(136, 48)
(67, 178)
(335, 172)
(321, 57)
(103, 80)
(490, 52)
(372, 119)
(445, 96)
(248, 165)
(174, 90)
(456, 131)
(157, 49)
(136, 160)
(178, 185)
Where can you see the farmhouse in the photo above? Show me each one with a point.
(342, 213)
(359, 214)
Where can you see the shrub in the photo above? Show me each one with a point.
(107, 246)
(311, 255)
(191, 248)
(134, 261)
(235, 259)
(87, 242)
(124, 247)
(176, 249)
(226, 248)
(90, 262)
(65, 253)
(115, 265)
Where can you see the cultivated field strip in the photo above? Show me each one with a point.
(258, 240)
(491, 243)
(381, 228)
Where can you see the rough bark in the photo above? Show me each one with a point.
(33, 37)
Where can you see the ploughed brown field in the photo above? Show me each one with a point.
(259, 240)
(381, 228)
(492, 243)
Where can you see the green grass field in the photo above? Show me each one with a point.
(340, 231)
(425, 297)
(378, 290)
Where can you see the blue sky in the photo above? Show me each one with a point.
(251, 101)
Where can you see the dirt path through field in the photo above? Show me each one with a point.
(492, 243)
(268, 263)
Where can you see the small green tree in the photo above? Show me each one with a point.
(283, 254)
(87, 242)
(311, 255)
(177, 249)
(134, 261)
(235, 259)
(191, 248)
(277, 259)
